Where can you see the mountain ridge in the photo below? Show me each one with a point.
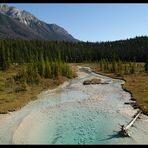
(41, 29)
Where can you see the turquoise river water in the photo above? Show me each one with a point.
(75, 114)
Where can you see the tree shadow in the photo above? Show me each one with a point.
(116, 135)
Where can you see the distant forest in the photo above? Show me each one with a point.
(27, 51)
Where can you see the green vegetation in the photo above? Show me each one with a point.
(36, 62)
(24, 74)
(23, 51)
(20, 84)
(119, 67)
(146, 66)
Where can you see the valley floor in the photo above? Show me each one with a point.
(136, 84)
(74, 113)
(11, 100)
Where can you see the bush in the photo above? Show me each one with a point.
(20, 88)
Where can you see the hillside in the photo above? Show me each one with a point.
(15, 23)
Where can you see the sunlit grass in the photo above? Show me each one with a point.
(11, 100)
(138, 85)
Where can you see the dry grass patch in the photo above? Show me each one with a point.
(14, 95)
(138, 85)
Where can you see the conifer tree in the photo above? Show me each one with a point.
(146, 66)
(47, 69)
(41, 66)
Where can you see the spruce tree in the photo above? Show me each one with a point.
(47, 69)
(41, 66)
(146, 66)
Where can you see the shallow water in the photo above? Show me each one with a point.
(75, 114)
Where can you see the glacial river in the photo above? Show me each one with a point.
(75, 114)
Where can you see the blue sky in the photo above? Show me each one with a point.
(94, 22)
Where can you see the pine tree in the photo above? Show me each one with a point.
(101, 64)
(32, 73)
(3, 60)
(119, 67)
(7, 58)
(146, 66)
(47, 69)
(114, 67)
(132, 68)
(41, 66)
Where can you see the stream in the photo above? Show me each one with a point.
(75, 113)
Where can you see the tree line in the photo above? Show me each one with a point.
(46, 55)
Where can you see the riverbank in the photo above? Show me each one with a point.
(10, 100)
(135, 84)
(14, 95)
(74, 113)
(10, 122)
(79, 114)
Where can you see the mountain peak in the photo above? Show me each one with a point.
(3, 7)
(20, 15)
(47, 31)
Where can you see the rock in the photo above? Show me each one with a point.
(3, 112)
(92, 81)
(12, 110)
(126, 102)
(131, 103)
(132, 98)
(104, 83)
(134, 105)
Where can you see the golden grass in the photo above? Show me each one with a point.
(137, 84)
(11, 100)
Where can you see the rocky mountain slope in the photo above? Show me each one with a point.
(15, 23)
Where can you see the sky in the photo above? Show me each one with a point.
(93, 22)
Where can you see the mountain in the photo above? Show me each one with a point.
(15, 23)
(10, 28)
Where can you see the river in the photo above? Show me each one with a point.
(75, 113)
